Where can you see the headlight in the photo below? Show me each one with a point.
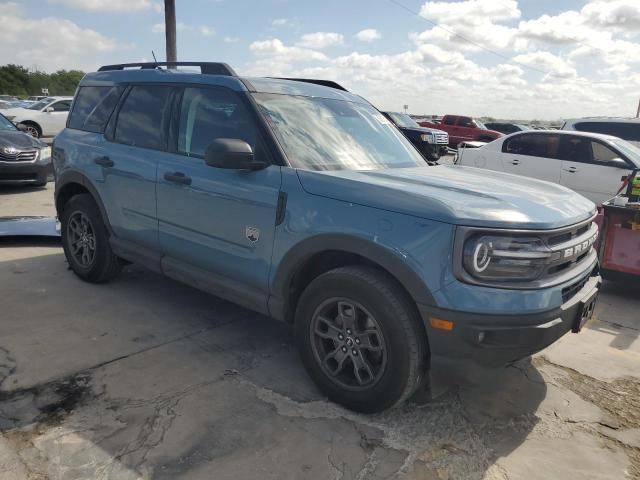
(45, 155)
(427, 137)
(505, 258)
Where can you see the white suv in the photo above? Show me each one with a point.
(625, 128)
(42, 119)
(592, 164)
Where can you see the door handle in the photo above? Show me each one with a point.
(515, 162)
(570, 169)
(177, 177)
(103, 161)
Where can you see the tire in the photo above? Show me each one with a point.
(390, 319)
(32, 129)
(101, 263)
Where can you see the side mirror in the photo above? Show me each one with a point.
(232, 153)
(22, 127)
(48, 109)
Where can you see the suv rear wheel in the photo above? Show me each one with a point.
(86, 242)
(360, 338)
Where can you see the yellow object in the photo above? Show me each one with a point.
(635, 185)
(440, 324)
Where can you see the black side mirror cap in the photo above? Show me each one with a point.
(232, 153)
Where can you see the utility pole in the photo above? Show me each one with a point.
(170, 30)
(638, 111)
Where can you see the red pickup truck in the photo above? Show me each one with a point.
(463, 129)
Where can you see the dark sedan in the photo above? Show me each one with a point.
(431, 143)
(23, 159)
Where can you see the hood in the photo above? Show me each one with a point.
(455, 194)
(13, 111)
(18, 139)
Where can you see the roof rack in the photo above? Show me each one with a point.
(324, 83)
(206, 68)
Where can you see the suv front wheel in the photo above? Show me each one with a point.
(360, 338)
(85, 241)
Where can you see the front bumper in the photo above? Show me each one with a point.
(484, 340)
(24, 173)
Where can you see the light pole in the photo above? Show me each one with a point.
(170, 30)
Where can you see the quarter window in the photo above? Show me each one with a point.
(207, 114)
(93, 106)
(143, 116)
(602, 153)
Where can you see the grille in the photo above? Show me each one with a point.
(442, 138)
(569, 292)
(19, 156)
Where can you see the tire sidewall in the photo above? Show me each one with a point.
(393, 383)
(85, 204)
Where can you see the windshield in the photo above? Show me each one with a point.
(404, 120)
(629, 150)
(480, 125)
(325, 134)
(5, 124)
(41, 104)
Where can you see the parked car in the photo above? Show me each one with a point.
(507, 128)
(592, 164)
(23, 159)
(5, 105)
(463, 129)
(299, 200)
(431, 143)
(8, 98)
(42, 119)
(625, 128)
(36, 98)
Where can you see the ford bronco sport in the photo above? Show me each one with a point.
(299, 200)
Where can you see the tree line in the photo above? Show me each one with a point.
(18, 81)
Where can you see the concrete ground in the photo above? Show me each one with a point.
(143, 378)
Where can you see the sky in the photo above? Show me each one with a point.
(524, 59)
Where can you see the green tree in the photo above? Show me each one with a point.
(17, 80)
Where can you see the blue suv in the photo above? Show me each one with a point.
(301, 201)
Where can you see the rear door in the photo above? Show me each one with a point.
(127, 167)
(533, 155)
(592, 168)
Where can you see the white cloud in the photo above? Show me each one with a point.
(368, 35)
(107, 5)
(276, 49)
(183, 27)
(618, 14)
(230, 39)
(281, 22)
(66, 46)
(320, 40)
(547, 61)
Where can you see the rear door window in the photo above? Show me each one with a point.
(93, 107)
(61, 106)
(626, 130)
(143, 118)
(532, 144)
(576, 149)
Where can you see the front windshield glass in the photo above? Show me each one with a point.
(404, 120)
(480, 125)
(6, 124)
(326, 134)
(629, 150)
(41, 104)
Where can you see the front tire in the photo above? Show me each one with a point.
(360, 338)
(32, 129)
(85, 241)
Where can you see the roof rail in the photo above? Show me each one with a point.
(324, 83)
(206, 68)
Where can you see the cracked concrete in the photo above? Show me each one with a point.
(144, 378)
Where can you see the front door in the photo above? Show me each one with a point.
(216, 226)
(52, 122)
(592, 168)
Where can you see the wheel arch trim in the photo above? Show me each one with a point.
(296, 258)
